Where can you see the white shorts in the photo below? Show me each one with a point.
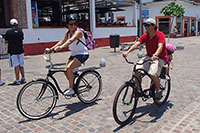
(16, 60)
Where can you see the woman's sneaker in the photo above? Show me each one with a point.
(69, 91)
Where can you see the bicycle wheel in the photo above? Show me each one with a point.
(36, 99)
(89, 86)
(165, 86)
(125, 103)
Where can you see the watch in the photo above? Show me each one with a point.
(155, 55)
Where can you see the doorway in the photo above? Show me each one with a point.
(186, 27)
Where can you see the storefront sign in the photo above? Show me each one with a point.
(34, 14)
(144, 13)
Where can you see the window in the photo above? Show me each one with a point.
(5, 14)
(164, 25)
(113, 14)
(54, 13)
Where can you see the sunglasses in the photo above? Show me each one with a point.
(71, 24)
(147, 25)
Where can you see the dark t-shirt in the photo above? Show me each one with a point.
(152, 44)
(15, 39)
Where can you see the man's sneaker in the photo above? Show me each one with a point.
(158, 95)
(17, 82)
(69, 91)
(23, 81)
(166, 77)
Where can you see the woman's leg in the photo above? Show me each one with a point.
(71, 64)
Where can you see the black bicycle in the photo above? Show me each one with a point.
(38, 98)
(127, 97)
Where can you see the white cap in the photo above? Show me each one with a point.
(150, 21)
(13, 22)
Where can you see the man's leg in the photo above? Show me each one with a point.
(137, 75)
(20, 58)
(156, 81)
(22, 71)
(145, 67)
(17, 69)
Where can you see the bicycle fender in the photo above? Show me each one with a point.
(43, 80)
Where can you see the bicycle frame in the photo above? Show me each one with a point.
(56, 85)
(132, 80)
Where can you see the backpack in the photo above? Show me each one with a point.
(90, 42)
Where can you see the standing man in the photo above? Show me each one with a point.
(154, 41)
(14, 38)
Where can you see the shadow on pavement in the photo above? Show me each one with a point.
(152, 110)
(70, 108)
(73, 108)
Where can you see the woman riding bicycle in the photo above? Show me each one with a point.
(79, 52)
(155, 46)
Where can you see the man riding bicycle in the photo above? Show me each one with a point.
(154, 41)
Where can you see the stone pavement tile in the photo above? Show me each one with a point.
(180, 114)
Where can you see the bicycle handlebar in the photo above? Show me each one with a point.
(136, 63)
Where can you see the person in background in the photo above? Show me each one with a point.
(175, 31)
(14, 38)
(154, 41)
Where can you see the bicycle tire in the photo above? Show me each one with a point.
(127, 87)
(88, 82)
(165, 85)
(33, 91)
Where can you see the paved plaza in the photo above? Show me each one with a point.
(181, 113)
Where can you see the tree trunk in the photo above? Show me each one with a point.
(170, 29)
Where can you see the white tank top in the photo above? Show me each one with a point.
(78, 48)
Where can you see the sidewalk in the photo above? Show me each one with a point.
(181, 114)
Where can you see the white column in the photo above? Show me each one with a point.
(29, 14)
(92, 16)
(135, 13)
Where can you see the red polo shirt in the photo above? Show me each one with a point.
(152, 44)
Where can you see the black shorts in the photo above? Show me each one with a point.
(81, 58)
